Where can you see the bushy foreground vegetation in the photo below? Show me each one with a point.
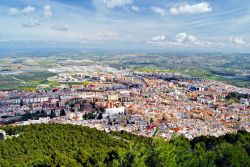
(69, 145)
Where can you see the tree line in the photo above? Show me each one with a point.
(71, 145)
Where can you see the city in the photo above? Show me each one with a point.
(141, 103)
(124, 83)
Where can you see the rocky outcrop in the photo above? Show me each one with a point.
(2, 135)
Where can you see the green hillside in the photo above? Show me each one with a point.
(69, 145)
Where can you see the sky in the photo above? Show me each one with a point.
(212, 25)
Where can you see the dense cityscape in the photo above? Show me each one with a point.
(142, 103)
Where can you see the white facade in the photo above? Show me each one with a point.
(113, 111)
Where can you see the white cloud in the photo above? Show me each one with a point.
(181, 39)
(116, 3)
(58, 27)
(47, 11)
(238, 40)
(135, 8)
(158, 10)
(159, 38)
(184, 38)
(28, 9)
(30, 24)
(13, 11)
(202, 7)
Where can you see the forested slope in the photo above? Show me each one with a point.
(69, 145)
